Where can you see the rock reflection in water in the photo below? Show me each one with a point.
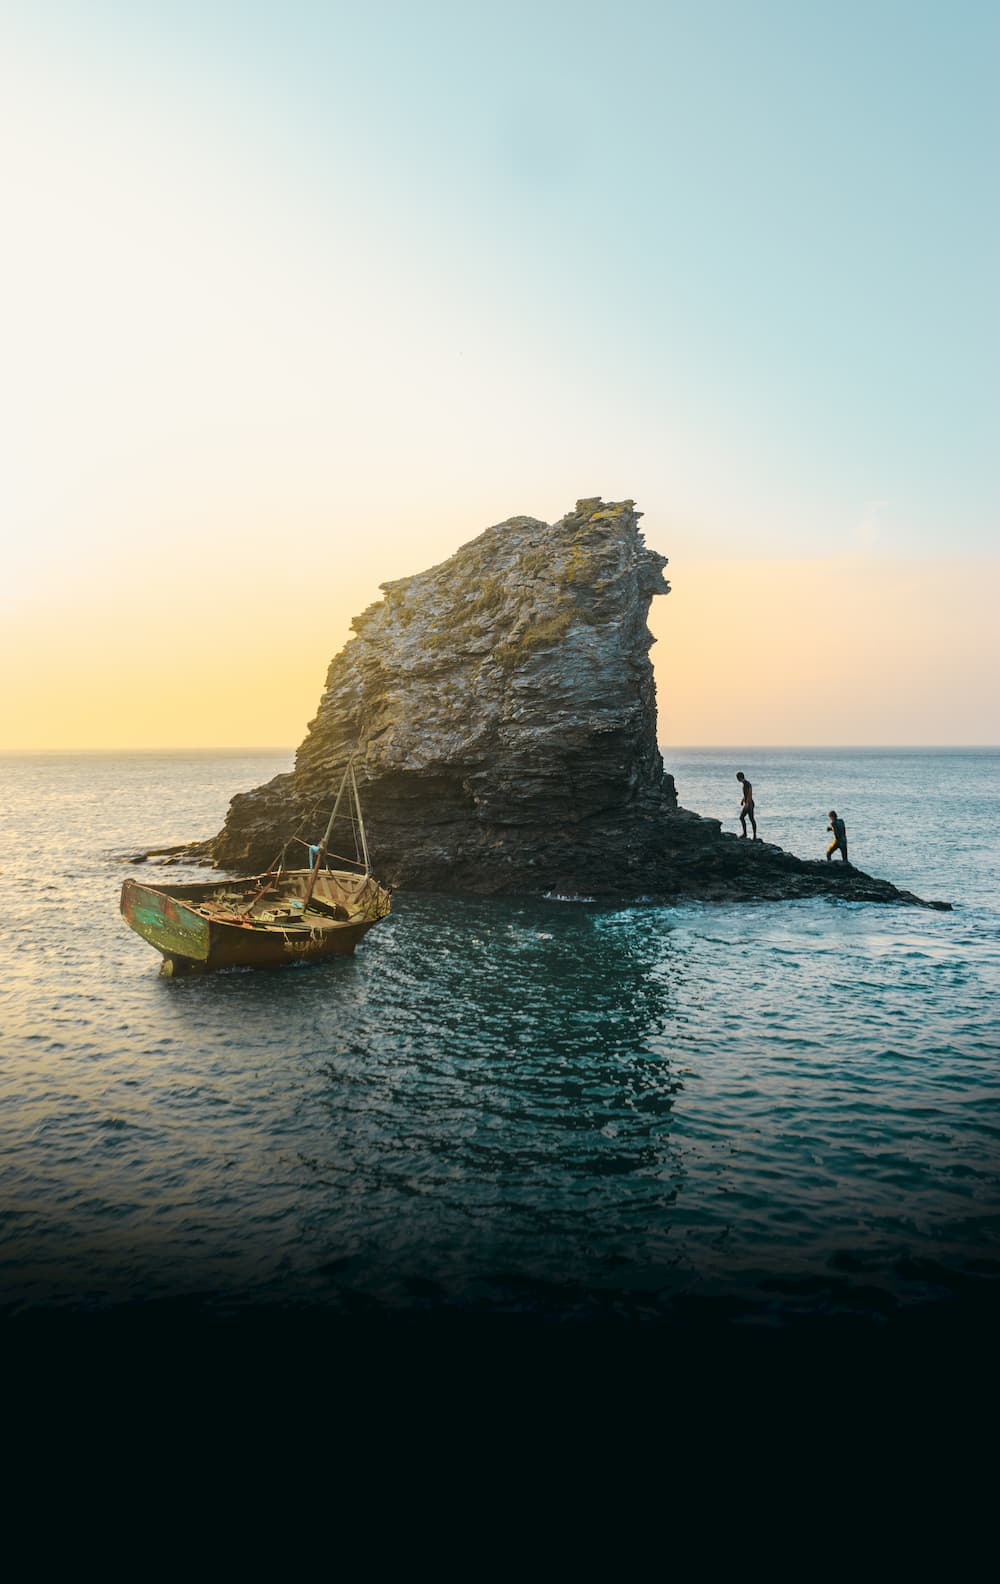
(524, 1122)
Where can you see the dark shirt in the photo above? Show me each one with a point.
(839, 829)
(747, 791)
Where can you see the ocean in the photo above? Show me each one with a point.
(757, 1116)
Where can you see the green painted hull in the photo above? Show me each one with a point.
(201, 927)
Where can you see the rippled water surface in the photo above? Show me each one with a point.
(770, 1111)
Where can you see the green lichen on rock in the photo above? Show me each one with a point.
(488, 597)
(550, 631)
(539, 635)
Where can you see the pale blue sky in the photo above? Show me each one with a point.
(772, 228)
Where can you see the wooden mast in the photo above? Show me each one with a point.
(321, 852)
(361, 823)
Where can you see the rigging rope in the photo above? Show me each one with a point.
(278, 862)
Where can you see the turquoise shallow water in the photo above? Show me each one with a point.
(769, 1113)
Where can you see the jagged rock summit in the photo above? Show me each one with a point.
(502, 712)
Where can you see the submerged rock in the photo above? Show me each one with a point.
(502, 713)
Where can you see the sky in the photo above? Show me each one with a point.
(297, 298)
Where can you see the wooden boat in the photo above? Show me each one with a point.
(285, 915)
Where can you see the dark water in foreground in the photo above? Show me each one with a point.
(765, 1114)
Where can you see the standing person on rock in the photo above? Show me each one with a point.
(839, 843)
(746, 807)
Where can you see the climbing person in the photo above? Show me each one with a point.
(839, 843)
(746, 807)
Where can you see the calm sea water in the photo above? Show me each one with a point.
(770, 1112)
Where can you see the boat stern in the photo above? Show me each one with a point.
(173, 928)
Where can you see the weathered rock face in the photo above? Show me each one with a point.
(502, 710)
(502, 713)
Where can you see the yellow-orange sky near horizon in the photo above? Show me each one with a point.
(851, 651)
(844, 652)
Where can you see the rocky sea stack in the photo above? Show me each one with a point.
(502, 712)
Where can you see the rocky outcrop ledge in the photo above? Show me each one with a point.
(502, 713)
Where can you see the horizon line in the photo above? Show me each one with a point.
(702, 747)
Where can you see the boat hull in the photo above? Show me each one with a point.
(181, 923)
